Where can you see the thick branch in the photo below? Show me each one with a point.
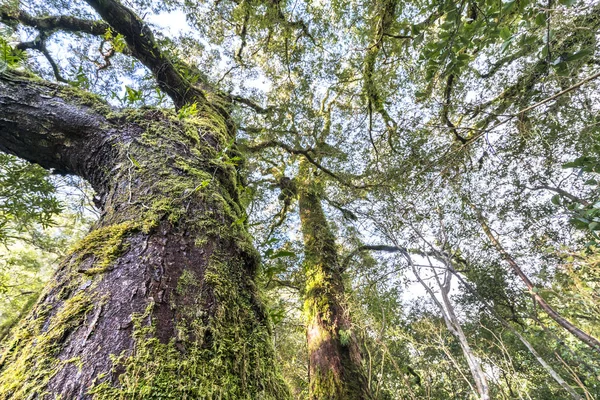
(53, 23)
(52, 125)
(389, 249)
(174, 78)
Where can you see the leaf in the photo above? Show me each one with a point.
(505, 45)
(132, 95)
(540, 19)
(420, 95)
(579, 222)
(505, 33)
(556, 199)
(282, 253)
(578, 55)
(134, 161)
(188, 110)
(508, 6)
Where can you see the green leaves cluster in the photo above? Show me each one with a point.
(27, 196)
(585, 214)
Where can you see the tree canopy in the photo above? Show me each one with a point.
(420, 180)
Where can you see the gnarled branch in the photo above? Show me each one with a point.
(176, 79)
(54, 23)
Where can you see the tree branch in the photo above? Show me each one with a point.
(360, 249)
(249, 103)
(561, 192)
(39, 44)
(53, 125)
(176, 79)
(446, 109)
(309, 158)
(54, 23)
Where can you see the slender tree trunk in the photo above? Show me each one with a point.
(335, 365)
(589, 340)
(525, 342)
(453, 325)
(158, 301)
(473, 361)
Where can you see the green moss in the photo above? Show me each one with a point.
(106, 244)
(230, 357)
(187, 279)
(190, 182)
(338, 374)
(229, 353)
(30, 360)
(27, 365)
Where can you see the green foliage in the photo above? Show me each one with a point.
(132, 96)
(189, 110)
(27, 197)
(117, 40)
(410, 109)
(9, 56)
(585, 213)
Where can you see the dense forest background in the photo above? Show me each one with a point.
(420, 179)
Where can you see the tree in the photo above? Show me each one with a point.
(406, 109)
(335, 361)
(168, 270)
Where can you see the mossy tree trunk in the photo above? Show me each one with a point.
(335, 365)
(158, 301)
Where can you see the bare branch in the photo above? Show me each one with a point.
(39, 44)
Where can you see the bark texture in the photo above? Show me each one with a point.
(158, 301)
(335, 365)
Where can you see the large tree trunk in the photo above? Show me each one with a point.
(335, 366)
(158, 301)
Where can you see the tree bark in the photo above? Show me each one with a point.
(335, 362)
(159, 300)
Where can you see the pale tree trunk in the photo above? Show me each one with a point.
(453, 325)
(335, 366)
(551, 371)
(159, 300)
(444, 258)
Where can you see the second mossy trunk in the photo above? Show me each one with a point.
(335, 365)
